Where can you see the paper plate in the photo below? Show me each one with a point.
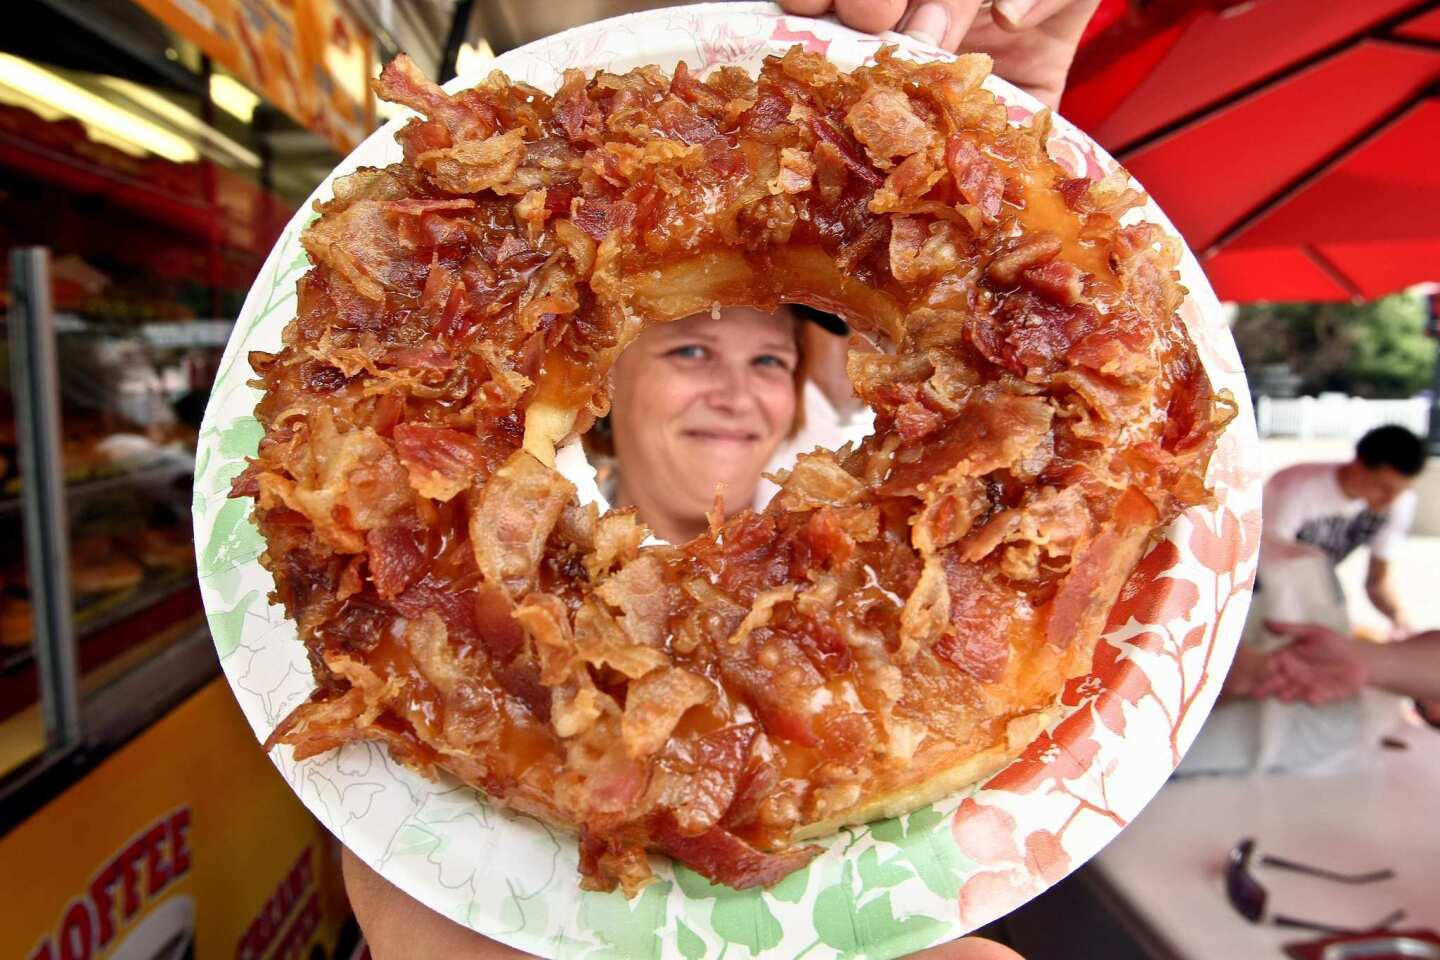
(879, 891)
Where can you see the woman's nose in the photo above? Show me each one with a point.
(731, 390)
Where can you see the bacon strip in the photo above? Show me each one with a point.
(725, 858)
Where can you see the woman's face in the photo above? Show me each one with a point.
(702, 402)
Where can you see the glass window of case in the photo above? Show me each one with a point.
(156, 185)
(22, 728)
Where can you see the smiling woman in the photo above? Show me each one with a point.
(699, 407)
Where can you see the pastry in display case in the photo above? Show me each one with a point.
(17, 619)
(22, 733)
(9, 452)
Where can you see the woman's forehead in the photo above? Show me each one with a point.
(730, 323)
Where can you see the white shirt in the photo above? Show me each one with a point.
(1304, 504)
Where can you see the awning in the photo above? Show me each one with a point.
(1291, 142)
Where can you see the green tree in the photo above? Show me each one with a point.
(1391, 356)
(1375, 349)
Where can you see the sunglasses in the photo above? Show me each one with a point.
(1248, 896)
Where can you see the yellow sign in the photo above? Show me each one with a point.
(308, 57)
(185, 843)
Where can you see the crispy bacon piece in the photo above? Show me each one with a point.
(725, 858)
(395, 560)
(884, 121)
(992, 433)
(655, 704)
(977, 179)
(922, 248)
(518, 507)
(442, 462)
(476, 165)
(402, 82)
(981, 611)
(896, 606)
(1022, 254)
(827, 134)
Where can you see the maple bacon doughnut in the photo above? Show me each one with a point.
(897, 623)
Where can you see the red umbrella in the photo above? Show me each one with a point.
(1292, 142)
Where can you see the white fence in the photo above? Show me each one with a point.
(1337, 415)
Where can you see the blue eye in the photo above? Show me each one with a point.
(773, 361)
(688, 351)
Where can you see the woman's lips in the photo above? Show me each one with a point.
(722, 436)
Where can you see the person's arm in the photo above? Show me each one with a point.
(1278, 549)
(1383, 548)
(1031, 41)
(1322, 666)
(825, 357)
(1247, 672)
(1382, 594)
(397, 927)
(1410, 667)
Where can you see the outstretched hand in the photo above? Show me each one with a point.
(1032, 41)
(1318, 666)
(397, 927)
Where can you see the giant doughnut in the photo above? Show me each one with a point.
(897, 623)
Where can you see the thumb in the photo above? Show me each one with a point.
(940, 23)
(870, 16)
(970, 948)
(1025, 14)
(805, 8)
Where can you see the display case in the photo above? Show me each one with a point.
(141, 187)
(101, 625)
(136, 207)
(23, 736)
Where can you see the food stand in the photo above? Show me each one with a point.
(137, 202)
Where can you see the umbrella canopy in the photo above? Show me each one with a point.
(1291, 142)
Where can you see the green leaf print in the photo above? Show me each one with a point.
(240, 439)
(689, 942)
(890, 831)
(856, 932)
(792, 888)
(226, 585)
(877, 875)
(233, 539)
(742, 917)
(516, 913)
(695, 886)
(927, 847)
(879, 928)
(413, 841)
(834, 914)
(222, 455)
(227, 626)
(299, 263)
(630, 930)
